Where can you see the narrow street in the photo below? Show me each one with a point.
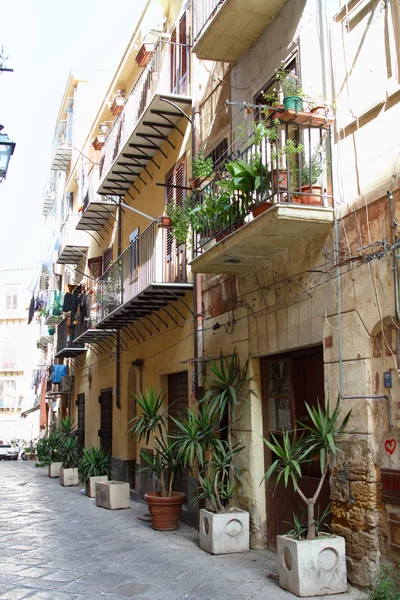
(57, 544)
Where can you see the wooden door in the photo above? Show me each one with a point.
(80, 430)
(288, 382)
(177, 405)
(105, 431)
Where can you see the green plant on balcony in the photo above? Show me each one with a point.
(292, 93)
(201, 166)
(180, 215)
(311, 170)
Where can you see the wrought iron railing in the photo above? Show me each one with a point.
(288, 163)
(203, 12)
(142, 264)
(67, 230)
(90, 189)
(66, 334)
(156, 77)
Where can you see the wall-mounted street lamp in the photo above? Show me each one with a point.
(6, 151)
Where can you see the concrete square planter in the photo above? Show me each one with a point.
(113, 495)
(54, 469)
(224, 533)
(312, 567)
(90, 486)
(69, 477)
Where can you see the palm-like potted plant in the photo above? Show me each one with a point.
(316, 565)
(69, 449)
(94, 466)
(48, 455)
(224, 528)
(163, 462)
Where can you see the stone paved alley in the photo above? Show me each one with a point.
(57, 545)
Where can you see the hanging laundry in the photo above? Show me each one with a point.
(67, 302)
(31, 311)
(58, 372)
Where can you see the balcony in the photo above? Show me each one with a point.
(87, 332)
(62, 148)
(147, 119)
(225, 29)
(273, 193)
(149, 275)
(73, 244)
(49, 196)
(66, 346)
(96, 210)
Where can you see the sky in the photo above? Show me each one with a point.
(45, 40)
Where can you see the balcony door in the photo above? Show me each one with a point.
(180, 57)
(106, 410)
(288, 382)
(80, 430)
(175, 253)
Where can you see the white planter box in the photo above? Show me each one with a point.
(69, 477)
(90, 487)
(54, 469)
(224, 533)
(312, 567)
(113, 495)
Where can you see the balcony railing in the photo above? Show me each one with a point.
(62, 147)
(203, 11)
(289, 165)
(96, 209)
(49, 195)
(144, 263)
(66, 334)
(73, 244)
(159, 76)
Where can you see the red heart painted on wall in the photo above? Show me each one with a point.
(390, 446)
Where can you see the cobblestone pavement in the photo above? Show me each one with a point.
(57, 544)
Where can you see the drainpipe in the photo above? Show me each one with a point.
(395, 257)
(384, 397)
(198, 349)
(118, 340)
(338, 273)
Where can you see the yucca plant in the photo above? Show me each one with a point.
(298, 448)
(152, 421)
(95, 462)
(70, 453)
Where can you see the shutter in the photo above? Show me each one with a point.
(107, 258)
(9, 358)
(174, 61)
(183, 53)
(169, 181)
(177, 408)
(94, 267)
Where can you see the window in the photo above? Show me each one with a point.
(290, 67)
(179, 57)
(134, 254)
(9, 353)
(8, 390)
(11, 298)
(279, 394)
(219, 154)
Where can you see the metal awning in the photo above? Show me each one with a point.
(96, 215)
(61, 157)
(70, 352)
(151, 131)
(71, 255)
(151, 299)
(91, 336)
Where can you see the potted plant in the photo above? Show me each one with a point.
(165, 505)
(315, 565)
(94, 466)
(48, 454)
(292, 92)
(179, 215)
(202, 168)
(69, 450)
(224, 528)
(118, 102)
(309, 175)
(248, 184)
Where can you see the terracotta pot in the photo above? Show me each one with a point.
(280, 177)
(315, 197)
(165, 512)
(260, 208)
(165, 222)
(319, 110)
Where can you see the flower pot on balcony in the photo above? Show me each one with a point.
(99, 141)
(312, 197)
(144, 55)
(260, 208)
(118, 103)
(165, 222)
(224, 533)
(293, 103)
(165, 511)
(280, 179)
(319, 110)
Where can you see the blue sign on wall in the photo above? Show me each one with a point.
(387, 379)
